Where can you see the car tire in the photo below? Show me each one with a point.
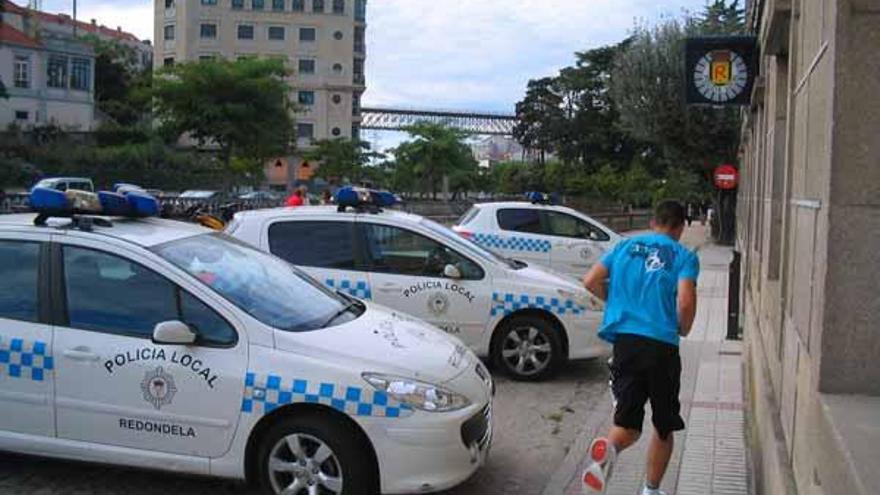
(528, 348)
(331, 455)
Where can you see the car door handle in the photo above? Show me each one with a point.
(390, 288)
(81, 354)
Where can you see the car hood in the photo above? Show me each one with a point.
(538, 275)
(385, 341)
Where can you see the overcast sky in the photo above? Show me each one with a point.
(454, 54)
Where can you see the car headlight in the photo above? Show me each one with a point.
(419, 395)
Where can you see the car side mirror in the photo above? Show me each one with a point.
(452, 271)
(173, 333)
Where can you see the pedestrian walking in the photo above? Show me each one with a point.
(326, 197)
(304, 194)
(691, 213)
(649, 283)
(294, 199)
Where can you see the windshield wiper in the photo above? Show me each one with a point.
(348, 307)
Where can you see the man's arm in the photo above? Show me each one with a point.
(687, 305)
(596, 281)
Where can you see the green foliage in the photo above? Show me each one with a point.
(242, 107)
(14, 172)
(122, 86)
(342, 159)
(433, 152)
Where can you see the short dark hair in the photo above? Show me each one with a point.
(669, 214)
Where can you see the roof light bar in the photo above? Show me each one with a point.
(358, 197)
(540, 198)
(128, 201)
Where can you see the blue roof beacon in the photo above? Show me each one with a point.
(364, 199)
(125, 201)
(540, 198)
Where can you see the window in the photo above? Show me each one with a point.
(267, 288)
(209, 2)
(258, 4)
(562, 225)
(402, 252)
(22, 115)
(169, 4)
(208, 31)
(19, 276)
(305, 131)
(168, 62)
(109, 294)
(357, 69)
(277, 4)
(318, 6)
(207, 58)
(339, 6)
(355, 132)
(237, 4)
(307, 34)
(298, 5)
(169, 32)
(22, 72)
(56, 71)
(316, 244)
(306, 66)
(81, 74)
(360, 10)
(360, 44)
(246, 32)
(356, 105)
(520, 220)
(306, 98)
(276, 33)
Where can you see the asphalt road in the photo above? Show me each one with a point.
(535, 425)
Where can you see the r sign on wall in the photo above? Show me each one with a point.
(720, 70)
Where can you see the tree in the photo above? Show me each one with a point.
(241, 107)
(434, 152)
(539, 117)
(648, 85)
(341, 159)
(122, 86)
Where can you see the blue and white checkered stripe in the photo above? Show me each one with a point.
(513, 243)
(505, 304)
(265, 393)
(28, 360)
(356, 288)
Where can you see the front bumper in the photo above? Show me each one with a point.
(426, 452)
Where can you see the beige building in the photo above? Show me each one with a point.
(323, 41)
(809, 233)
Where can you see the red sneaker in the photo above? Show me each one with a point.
(602, 456)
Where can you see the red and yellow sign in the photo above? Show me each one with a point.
(720, 68)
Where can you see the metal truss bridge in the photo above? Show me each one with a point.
(395, 119)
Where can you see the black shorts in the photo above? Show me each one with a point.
(646, 369)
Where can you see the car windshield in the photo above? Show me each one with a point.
(260, 284)
(474, 249)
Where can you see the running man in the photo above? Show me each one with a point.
(649, 283)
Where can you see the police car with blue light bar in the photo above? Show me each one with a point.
(529, 321)
(539, 231)
(127, 339)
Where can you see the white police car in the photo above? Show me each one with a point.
(157, 344)
(538, 231)
(527, 320)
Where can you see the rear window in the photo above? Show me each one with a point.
(315, 244)
(520, 220)
(468, 216)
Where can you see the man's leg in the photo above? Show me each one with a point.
(659, 453)
(622, 438)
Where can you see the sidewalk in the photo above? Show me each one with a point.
(709, 456)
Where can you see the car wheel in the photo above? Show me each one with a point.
(528, 348)
(314, 455)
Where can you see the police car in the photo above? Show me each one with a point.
(157, 344)
(527, 320)
(538, 231)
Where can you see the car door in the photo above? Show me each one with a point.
(407, 274)
(325, 249)
(577, 244)
(115, 386)
(520, 236)
(27, 368)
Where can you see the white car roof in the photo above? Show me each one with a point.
(521, 204)
(146, 232)
(307, 211)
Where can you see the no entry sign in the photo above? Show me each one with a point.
(726, 177)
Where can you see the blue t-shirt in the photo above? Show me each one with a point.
(644, 272)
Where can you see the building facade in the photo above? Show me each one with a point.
(809, 231)
(323, 42)
(49, 70)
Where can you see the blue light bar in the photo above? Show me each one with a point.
(356, 197)
(129, 201)
(542, 198)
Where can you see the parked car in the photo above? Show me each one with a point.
(527, 320)
(557, 237)
(65, 183)
(163, 345)
(260, 196)
(200, 194)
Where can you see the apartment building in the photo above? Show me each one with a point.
(809, 231)
(323, 41)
